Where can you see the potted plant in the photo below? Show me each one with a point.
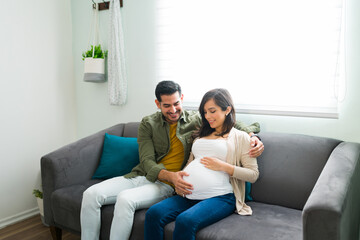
(39, 198)
(94, 66)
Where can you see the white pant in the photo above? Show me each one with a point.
(128, 194)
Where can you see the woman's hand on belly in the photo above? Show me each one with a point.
(212, 163)
(217, 165)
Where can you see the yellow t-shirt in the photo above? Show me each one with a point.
(175, 157)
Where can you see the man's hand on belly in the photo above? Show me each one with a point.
(181, 186)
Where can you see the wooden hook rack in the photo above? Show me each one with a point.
(105, 5)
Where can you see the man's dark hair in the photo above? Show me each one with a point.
(223, 99)
(166, 88)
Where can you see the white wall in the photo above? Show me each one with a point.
(95, 113)
(37, 97)
(94, 110)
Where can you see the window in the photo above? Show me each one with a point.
(275, 57)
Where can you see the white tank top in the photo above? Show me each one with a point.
(207, 183)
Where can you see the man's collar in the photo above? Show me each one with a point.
(163, 119)
(183, 117)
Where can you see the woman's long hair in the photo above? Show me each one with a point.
(223, 99)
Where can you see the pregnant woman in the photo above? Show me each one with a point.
(218, 168)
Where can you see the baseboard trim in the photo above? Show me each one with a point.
(18, 217)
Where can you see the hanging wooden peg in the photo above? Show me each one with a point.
(105, 5)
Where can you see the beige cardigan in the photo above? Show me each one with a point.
(246, 168)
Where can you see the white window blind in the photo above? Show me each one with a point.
(275, 57)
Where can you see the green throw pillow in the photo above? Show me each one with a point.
(119, 156)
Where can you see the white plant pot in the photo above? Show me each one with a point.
(94, 70)
(41, 206)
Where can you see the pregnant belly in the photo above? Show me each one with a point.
(206, 182)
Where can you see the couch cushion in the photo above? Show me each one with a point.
(66, 205)
(107, 213)
(289, 168)
(268, 222)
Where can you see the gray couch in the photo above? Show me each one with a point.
(308, 189)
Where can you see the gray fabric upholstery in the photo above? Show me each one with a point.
(107, 213)
(131, 129)
(289, 168)
(261, 225)
(67, 202)
(137, 232)
(286, 206)
(333, 208)
(72, 164)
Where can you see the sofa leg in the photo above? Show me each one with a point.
(56, 233)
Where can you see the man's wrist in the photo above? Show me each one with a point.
(165, 175)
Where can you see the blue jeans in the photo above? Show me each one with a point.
(190, 215)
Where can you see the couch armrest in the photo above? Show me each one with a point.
(332, 210)
(72, 164)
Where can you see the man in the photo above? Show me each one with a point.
(164, 145)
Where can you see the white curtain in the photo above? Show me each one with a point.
(275, 57)
(117, 86)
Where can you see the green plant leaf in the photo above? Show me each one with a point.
(37, 193)
(98, 52)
